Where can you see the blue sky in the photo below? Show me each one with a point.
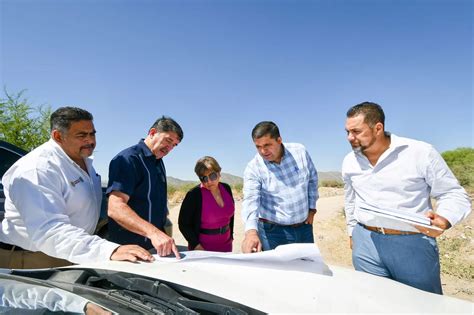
(220, 67)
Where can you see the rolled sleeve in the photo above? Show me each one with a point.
(251, 202)
(453, 202)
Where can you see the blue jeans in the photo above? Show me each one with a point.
(410, 259)
(272, 235)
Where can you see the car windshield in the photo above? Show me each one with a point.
(22, 297)
(71, 290)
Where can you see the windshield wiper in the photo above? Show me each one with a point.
(148, 304)
(158, 294)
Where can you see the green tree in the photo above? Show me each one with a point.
(21, 123)
(461, 162)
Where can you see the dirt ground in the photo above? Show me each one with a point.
(333, 242)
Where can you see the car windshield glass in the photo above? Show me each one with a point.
(19, 297)
(129, 293)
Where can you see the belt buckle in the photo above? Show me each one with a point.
(381, 230)
(222, 229)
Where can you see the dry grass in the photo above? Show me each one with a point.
(456, 250)
(456, 253)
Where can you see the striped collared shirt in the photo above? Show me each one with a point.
(282, 193)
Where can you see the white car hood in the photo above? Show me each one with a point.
(292, 286)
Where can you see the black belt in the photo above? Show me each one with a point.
(221, 230)
(284, 225)
(9, 247)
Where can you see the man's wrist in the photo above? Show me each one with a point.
(154, 232)
(313, 211)
(250, 232)
(113, 252)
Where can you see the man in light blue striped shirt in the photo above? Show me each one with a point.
(280, 192)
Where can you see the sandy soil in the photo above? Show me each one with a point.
(331, 238)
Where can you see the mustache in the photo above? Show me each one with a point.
(88, 146)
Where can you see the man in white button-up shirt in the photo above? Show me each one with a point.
(383, 173)
(52, 201)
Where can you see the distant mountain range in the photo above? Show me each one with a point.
(330, 176)
(233, 180)
(225, 177)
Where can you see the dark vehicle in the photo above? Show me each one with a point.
(10, 153)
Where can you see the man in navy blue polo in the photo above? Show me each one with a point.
(137, 190)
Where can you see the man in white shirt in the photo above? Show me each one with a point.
(387, 172)
(52, 201)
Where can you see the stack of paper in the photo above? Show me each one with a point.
(399, 215)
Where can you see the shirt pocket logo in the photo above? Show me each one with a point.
(77, 181)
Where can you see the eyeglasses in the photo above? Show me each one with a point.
(211, 177)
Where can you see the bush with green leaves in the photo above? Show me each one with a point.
(461, 162)
(21, 123)
(331, 183)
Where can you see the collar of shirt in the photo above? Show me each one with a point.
(145, 149)
(396, 144)
(60, 152)
(283, 158)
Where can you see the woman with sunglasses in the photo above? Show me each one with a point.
(206, 217)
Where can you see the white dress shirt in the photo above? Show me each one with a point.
(404, 178)
(52, 206)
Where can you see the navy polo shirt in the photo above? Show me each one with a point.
(136, 172)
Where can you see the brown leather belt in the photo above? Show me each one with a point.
(287, 225)
(221, 230)
(387, 231)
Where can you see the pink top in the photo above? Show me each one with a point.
(214, 217)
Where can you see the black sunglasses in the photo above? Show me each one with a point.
(211, 177)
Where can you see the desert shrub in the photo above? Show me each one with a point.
(331, 183)
(461, 162)
(171, 190)
(177, 193)
(238, 188)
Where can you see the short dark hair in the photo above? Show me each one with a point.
(206, 163)
(167, 124)
(265, 128)
(373, 113)
(62, 118)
